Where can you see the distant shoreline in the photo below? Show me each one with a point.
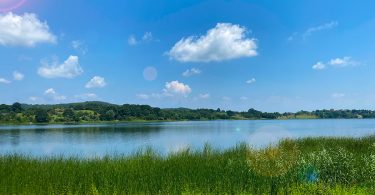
(161, 121)
(102, 112)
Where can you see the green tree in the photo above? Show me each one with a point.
(17, 107)
(230, 113)
(41, 116)
(69, 115)
(109, 115)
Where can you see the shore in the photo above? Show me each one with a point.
(156, 121)
(302, 166)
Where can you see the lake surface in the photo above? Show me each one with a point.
(127, 138)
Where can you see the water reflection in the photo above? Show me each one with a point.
(15, 137)
(126, 138)
(268, 134)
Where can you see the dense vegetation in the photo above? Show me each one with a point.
(305, 166)
(100, 111)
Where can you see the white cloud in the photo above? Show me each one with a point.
(315, 29)
(225, 41)
(319, 66)
(18, 76)
(343, 62)
(147, 36)
(337, 95)
(337, 62)
(69, 69)
(96, 82)
(51, 93)
(86, 96)
(171, 89)
(24, 30)
(250, 81)
(310, 31)
(4, 81)
(176, 88)
(79, 46)
(191, 72)
(132, 40)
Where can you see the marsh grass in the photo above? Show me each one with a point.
(302, 166)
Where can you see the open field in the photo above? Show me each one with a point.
(305, 166)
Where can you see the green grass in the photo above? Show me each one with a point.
(303, 166)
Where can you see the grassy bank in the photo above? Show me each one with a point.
(305, 166)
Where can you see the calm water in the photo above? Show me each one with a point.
(165, 137)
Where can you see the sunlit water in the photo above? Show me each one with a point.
(165, 137)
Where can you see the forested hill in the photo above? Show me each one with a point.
(102, 111)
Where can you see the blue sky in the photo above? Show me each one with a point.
(268, 55)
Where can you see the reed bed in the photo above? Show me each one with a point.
(302, 166)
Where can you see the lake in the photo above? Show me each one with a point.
(126, 138)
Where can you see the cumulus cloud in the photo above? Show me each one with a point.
(51, 93)
(223, 42)
(250, 81)
(96, 82)
(336, 62)
(319, 66)
(4, 81)
(69, 69)
(191, 72)
(18, 76)
(24, 30)
(171, 89)
(176, 88)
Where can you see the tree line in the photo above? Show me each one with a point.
(101, 111)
